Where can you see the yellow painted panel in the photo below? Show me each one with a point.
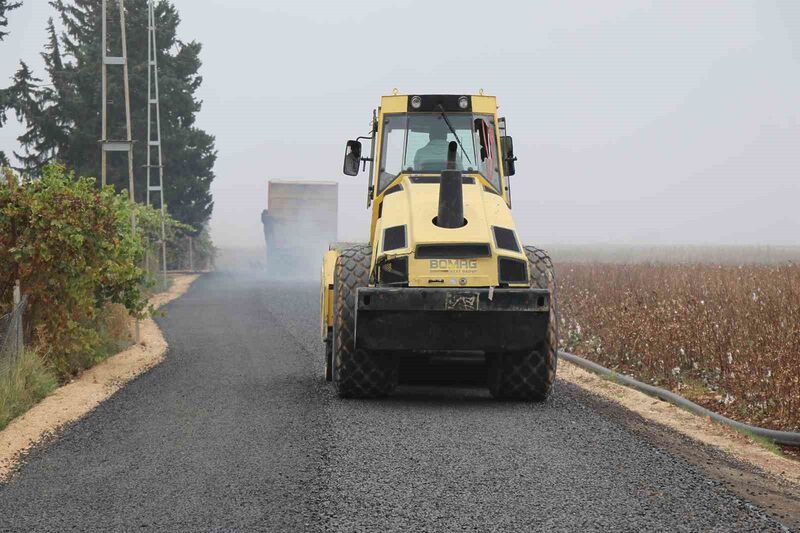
(326, 291)
(394, 104)
(484, 104)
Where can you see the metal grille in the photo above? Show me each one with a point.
(11, 333)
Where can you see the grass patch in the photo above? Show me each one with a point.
(614, 378)
(28, 379)
(764, 442)
(23, 383)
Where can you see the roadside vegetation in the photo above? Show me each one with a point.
(70, 245)
(726, 336)
(23, 384)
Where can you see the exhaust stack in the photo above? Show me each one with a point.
(451, 193)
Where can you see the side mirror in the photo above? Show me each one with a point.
(507, 146)
(352, 158)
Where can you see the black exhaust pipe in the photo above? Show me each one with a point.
(451, 193)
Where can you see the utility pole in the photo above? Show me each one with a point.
(116, 145)
(125, 145)
(154, 137)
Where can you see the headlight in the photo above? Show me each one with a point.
(416, 102)
(463, 102)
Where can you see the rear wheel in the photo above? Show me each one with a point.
(530, 375)
(357, 373)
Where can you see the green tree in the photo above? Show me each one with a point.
(25, 97)
(5, 7)
(38, 106)
(67, 125)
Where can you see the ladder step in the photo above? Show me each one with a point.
(154, 101)
(155, 143)
(114, 60)
(154, 188)
(116, 146)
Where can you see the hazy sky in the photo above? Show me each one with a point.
(633, 121)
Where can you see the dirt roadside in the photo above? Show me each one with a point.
(76, 399)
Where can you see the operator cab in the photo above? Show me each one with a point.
(414, 139)
(439, 190)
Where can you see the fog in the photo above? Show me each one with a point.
(634, 122)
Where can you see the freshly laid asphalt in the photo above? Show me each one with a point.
(237, 431)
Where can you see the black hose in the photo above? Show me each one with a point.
(787, 438)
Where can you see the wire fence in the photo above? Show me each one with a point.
(12, 333)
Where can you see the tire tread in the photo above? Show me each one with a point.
(530, 376)
(357, 373)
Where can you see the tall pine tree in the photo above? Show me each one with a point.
(27, 98)
(67, 124)
(6, 6)
(46, 135)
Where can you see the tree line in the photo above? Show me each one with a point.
(61, 111)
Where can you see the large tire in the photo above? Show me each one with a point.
(529, 376)
(356, 372)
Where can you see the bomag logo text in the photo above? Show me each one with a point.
(449, 265)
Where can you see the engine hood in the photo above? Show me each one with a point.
(406, 221)
(416, 204)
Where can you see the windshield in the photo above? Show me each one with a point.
(418, 142)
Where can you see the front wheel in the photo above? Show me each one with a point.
(530, 375)
(357, 373)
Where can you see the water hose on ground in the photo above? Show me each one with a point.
(786, 438)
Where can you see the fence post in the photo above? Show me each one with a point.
(191, 255)
(18, 340)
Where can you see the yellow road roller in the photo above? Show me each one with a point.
(444, 273)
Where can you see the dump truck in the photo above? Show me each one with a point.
(300, 221)
(444, 273)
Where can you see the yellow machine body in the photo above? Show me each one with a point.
(411, 201)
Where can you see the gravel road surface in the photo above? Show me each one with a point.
(237, 431)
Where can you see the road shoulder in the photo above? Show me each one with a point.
(749, 469)
(76, 399)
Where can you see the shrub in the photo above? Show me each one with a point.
(177, 238)
(71, 245)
